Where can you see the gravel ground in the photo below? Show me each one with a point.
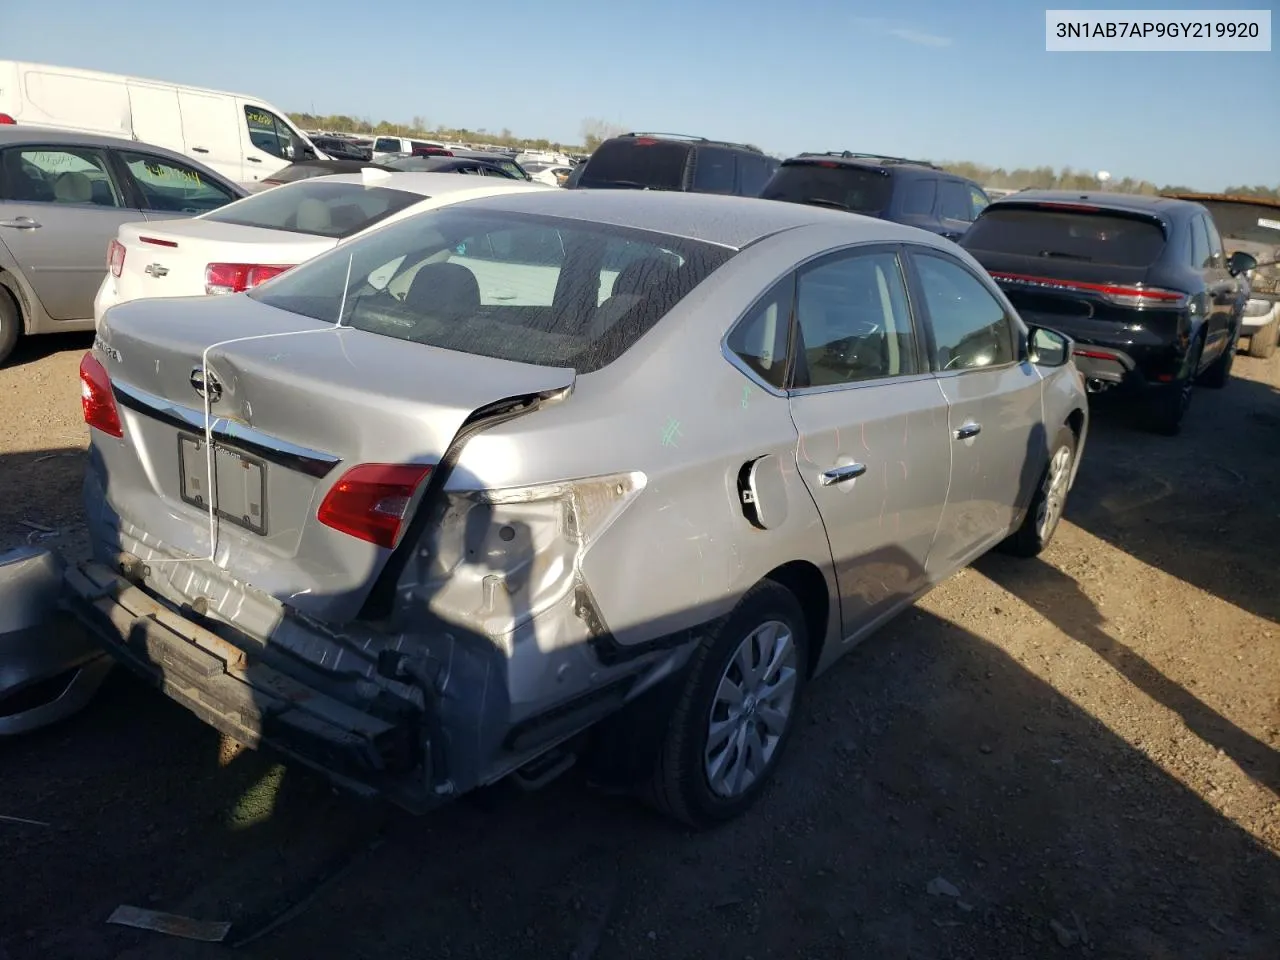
(1076, 755)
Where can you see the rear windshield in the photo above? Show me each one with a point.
(539, 290)
(1107, 238)
(638, 163)
(320, 209)
(387, 145)
(1250, 222)
(844, 187)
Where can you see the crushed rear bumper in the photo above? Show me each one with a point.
(232, 690)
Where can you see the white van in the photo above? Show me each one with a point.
(244, 138)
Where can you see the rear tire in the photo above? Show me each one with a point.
(10, 325)
(737, 711)
(1219, 375)
(1047, 506)
(1262, 342)
(1169, 402)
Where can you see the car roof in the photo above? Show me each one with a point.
(424, 182)
(1133, 202)
(1226, 198)
(19, 134)
(733, 222)
(691, 139)
(875, 160)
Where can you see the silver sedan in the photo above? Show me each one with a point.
(557, 476)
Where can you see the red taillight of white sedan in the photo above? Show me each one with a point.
(238, 277)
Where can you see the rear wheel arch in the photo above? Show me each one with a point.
(1075, 420)
(807, 584)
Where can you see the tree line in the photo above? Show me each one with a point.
(594, 131)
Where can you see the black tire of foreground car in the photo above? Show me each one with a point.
(10, 324)
(1044, 513)
(682, 785)
(1219, 374)
(1262, 344)
(1169, 403)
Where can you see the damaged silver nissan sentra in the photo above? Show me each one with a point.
(604, 475)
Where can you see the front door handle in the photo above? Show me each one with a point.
(840, 474)
(968, 430)
(20, 223)
(199, 150)
(254, 159)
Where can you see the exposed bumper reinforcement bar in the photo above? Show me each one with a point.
(228, 688)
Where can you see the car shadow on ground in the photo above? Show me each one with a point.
(35, 349)
(1201, 506)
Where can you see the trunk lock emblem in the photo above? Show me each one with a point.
(155, 270)
(198, 383)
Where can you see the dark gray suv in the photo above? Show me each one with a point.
(671, 161)
(914, 192)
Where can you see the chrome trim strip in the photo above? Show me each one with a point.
(315, 463)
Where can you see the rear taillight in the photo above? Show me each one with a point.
(115, 257)
(6, 119)
(238, 277)
(371, 502)
(96, 398)
(1123, 295)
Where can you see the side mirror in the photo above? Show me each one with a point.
(1048, 348)
(1241, 262)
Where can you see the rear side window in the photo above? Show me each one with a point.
(978, 200)
(844, 187)
(637, 162)
(918, 197)
(321, 209)
(531, 289)
(714, 170)
(1200, 258)
(1085, 236)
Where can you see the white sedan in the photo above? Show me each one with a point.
(238, 246)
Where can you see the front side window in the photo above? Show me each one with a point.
(65, 175)
(978, 202)
(1215, 243)
(753, 174)
(714, 170)
(174, 187)
(268, 132)
(853, 322)
(323, 209)
(760, 339)
(970, 326)
(515, 287)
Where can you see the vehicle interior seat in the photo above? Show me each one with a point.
(446, 290)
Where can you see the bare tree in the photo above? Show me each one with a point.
(595, 131)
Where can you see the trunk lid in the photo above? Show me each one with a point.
(168, 258)
(300, 410)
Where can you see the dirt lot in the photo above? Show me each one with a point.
(1084, 748)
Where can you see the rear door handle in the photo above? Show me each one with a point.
(254, 159)
(20, 223)
(839, 474)
(199, 150)
(968, 430)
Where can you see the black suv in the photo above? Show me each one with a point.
(1141, 284)
(914, 192)
(669, 161)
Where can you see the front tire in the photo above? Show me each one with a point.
(737, 711)
(1262, 342)
(1044, 513)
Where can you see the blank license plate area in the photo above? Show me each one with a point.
(241, 496)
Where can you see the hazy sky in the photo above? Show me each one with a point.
(936, 80)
